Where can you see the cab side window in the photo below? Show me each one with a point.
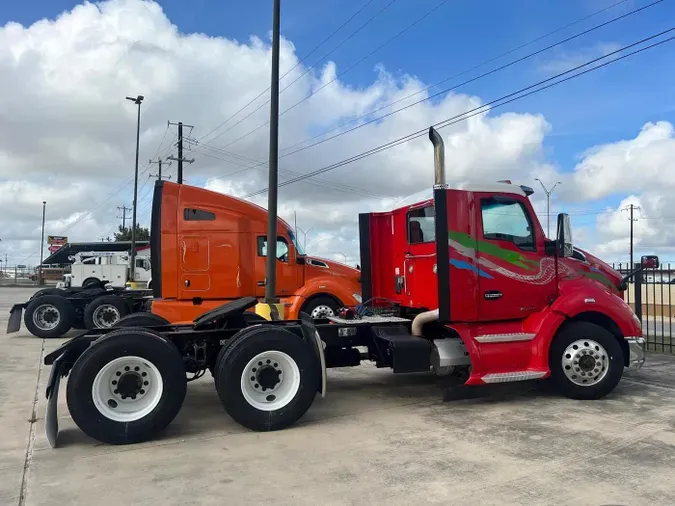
(507, 220)
(192, 214)
(421, 226)
(282, 248)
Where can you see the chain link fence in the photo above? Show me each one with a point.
(27, 276)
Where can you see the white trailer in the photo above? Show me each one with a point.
(101, 268)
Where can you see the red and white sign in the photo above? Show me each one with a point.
(54, 248)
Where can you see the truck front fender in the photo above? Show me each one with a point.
(338, 287)
(575, 303)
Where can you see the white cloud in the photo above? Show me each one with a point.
(67, 134)
(630, 165)
(564, 60)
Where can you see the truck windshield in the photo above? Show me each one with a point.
(296, 243)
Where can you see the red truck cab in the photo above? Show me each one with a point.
(476, 260)
(211, 248)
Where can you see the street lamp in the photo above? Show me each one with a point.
(136, 101)
(304, 236)
(548, 205)
(42, 242)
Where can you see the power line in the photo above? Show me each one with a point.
(321, 183)
(124, 216)
(631, 208)
(447, 90)
(425, 15)
(298, 63)
(517, 95)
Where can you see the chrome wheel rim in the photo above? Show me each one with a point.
(322, 311)
(105, 316)
(585, 362)
(46, 317)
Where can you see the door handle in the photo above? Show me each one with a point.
(492, 294)
(261, 283)
(187, 283)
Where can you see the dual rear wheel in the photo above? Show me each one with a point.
(129, 385)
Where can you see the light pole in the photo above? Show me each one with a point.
(136, 101)
(271, 265)
(548, 205)
(304, 237)
(345, 257)
(42, 241)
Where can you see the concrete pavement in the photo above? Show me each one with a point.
(377, 438)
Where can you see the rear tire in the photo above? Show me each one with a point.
(142, 319)
(126, 387)
(49, 316)
(586, 361)
(280, 363)
(104, 312)
(49, 291)
(92, 283)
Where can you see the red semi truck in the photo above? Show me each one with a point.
(475, 291)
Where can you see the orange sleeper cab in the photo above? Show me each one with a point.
(211, 248)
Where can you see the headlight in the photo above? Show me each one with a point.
(357, 297)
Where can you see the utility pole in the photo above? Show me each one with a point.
(132, 268)
(548, 205)
(124, 210)
(42, 241)
(271, 267)
(159, 170)
(179, 144)
(631, 208)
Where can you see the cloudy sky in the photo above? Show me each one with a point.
(67, 134)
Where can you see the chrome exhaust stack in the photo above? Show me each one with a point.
(439, 159)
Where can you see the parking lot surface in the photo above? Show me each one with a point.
(377, 438)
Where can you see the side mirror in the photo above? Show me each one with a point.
(564, 239)
(650, 262)
(300, 259)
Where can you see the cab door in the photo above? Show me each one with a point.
(195, 261)
(287, 278)
(419, 272)
(516, 277)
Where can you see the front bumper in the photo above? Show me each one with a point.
(636, 348)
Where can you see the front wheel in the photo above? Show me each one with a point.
(586, 361)
(126, 387)
(266, 378)
(321, 307)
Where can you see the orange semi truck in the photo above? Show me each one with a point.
(212, 249)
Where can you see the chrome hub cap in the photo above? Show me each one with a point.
(322, 311)
(585, 362)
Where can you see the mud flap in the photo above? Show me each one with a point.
(14, 323)
(52, 416)
(313, 338)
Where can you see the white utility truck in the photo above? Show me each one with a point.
(100, 268)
